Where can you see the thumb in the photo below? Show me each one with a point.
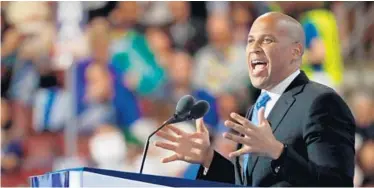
(261, 116)
(200, 126)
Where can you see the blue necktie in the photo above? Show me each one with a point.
(261, 102)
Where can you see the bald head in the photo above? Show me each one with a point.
(285, 25)
(275, 49)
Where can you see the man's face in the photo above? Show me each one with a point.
(269, 53)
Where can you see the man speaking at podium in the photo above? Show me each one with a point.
(298, 133)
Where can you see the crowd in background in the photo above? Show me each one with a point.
(129, 65)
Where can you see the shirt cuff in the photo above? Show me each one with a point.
(205, 171)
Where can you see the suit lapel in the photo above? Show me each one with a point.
(280, 109)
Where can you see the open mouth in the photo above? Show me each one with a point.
(258, 65)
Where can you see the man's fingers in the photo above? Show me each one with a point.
(196, 135)
(200, 126)
(238, 118)
(235, 138)
(261, 115)
(170, 158)
(165, 145)
(239, 152)
(166, 136)
(242, 120)
(237, 127)
(176, 130)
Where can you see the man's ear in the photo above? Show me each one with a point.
(298, 51)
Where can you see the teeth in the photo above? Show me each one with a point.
(258, 62)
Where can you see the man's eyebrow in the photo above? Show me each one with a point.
(261, 36)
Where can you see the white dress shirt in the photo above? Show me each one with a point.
(274, 93)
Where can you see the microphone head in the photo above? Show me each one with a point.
(184, 105)
(199, 109)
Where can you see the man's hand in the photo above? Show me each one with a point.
(258, 140)
(189, 147)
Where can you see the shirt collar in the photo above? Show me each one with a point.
(282, 86)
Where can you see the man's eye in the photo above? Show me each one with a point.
(250, 41)
(267, 40)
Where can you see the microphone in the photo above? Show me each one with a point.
(184, 106)
(199, 110)
(182, 112)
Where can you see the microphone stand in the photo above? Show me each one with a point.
(173, 119)
(149, 137)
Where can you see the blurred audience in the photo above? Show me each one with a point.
(33, 36)
(180, 73)
(322, 60)
(47, 107)
(161, 45)
(187, 33)
(219, 65)
(363, 109)
(11, 150)
(242, 15)
(97, 89)
(365, 157)
(140, 67)
(108, 148)
(124, 17)
(362, 106)
(132, 64)
(103, 95)
(155, 13)
(227, 103)
(42, 156)
(99, 94)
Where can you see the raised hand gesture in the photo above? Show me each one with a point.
(258, 140)
(190, 147)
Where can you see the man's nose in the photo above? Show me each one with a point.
(254, 48)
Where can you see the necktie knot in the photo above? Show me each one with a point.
(262, 100)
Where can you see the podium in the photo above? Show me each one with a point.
(92, 177)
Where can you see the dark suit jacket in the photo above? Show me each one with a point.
(317, 128)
